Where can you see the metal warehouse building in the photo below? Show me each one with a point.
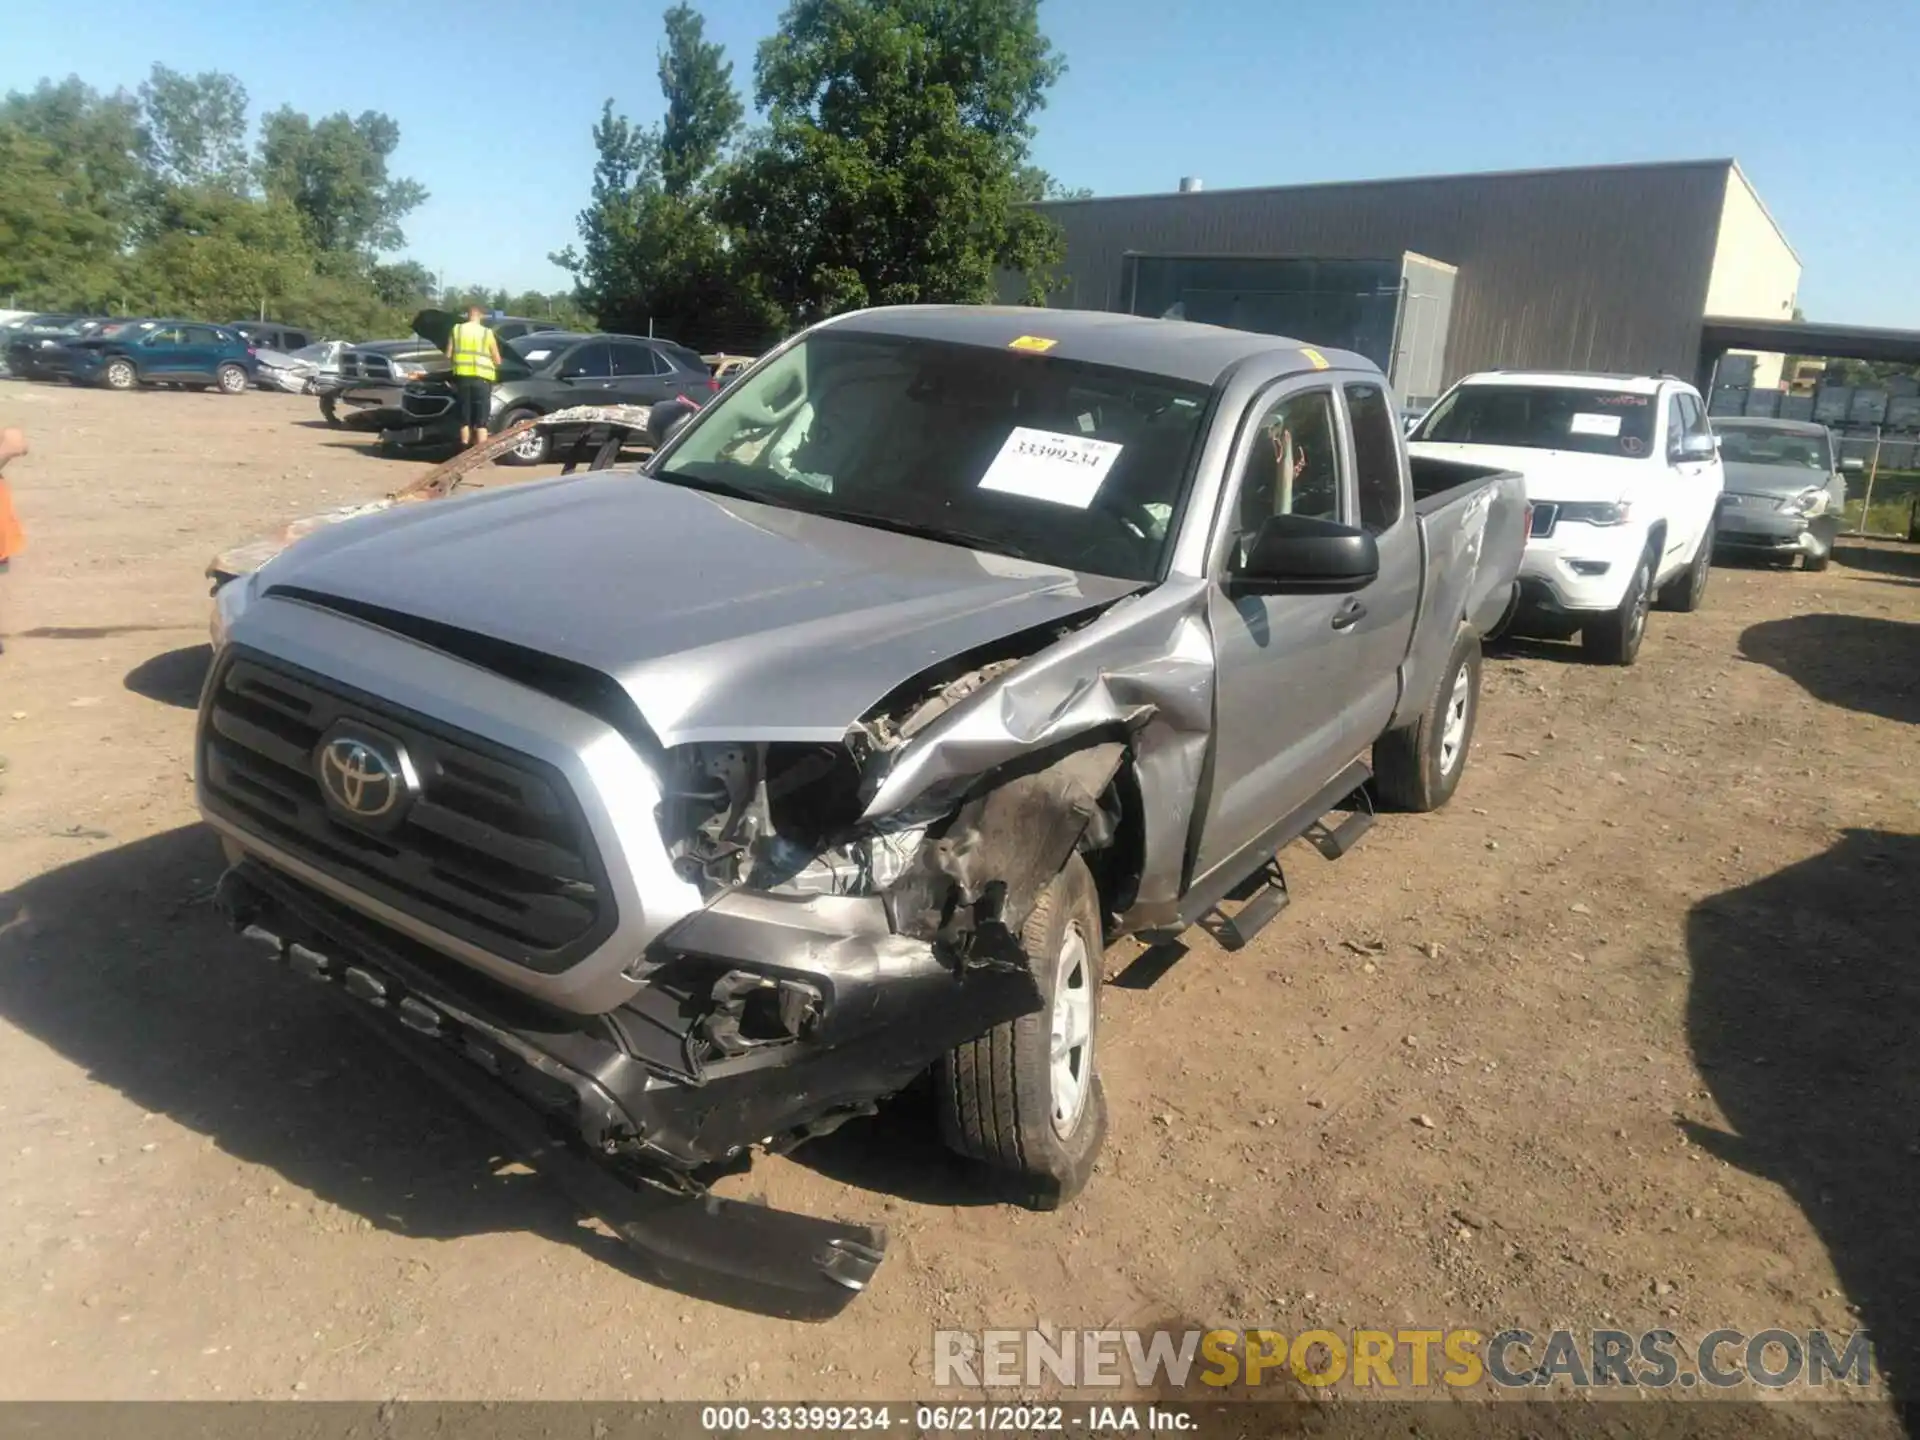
(1608, 268)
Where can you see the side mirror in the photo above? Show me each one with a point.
(1299, 555)
(665, 419)
(1698, 447)
(1852, 465)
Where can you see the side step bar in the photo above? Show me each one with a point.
(1234, 932)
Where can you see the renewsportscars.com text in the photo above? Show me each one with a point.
(1394, 1359)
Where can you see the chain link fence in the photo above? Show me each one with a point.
(1883, 495)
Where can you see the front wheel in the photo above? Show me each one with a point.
(233, 379)
(1419, 766)
(328, 412)
(120, 375)
(1025, 1098)
(1686, 590)
(532, 448)
(1614, 638)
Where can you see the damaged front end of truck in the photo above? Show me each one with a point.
(854, 912)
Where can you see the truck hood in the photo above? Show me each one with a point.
(722, 619)
(1779, 482)
(1560, 476)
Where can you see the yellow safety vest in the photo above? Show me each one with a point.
(472, 350)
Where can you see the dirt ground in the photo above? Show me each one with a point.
(1625, 1037)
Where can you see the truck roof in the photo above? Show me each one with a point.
(1179, 349)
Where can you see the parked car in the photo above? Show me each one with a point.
(1785, 490)
(269, 335)
(700, 808)
(181, 353)
(36, 348)
(299, 372)
(1624, 478)
(27, 323)
(513, 327)
(364, 391)
(552, 371)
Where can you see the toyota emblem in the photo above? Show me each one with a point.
(365, 778)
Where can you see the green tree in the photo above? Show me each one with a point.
(652, 255)
(69, 180)
(894, 165)
(334, 171)
(193, 130)
(702, 110)
(218, 256)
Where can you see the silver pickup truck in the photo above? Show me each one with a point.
(697, 809)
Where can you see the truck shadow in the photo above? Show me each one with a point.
(1803, 1013)
(1859, 662)
(152, 995)
(173, 677)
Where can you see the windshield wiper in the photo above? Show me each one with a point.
(926, 532)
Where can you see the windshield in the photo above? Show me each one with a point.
(1051, 460)
(1789, 449)
(1544, 417)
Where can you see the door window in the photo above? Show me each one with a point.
(166, 337)
(1694, 416)
(631, 360)
(1293, 465)
(198, 335)
(1676, 427)
(1376, 456)
(589, 362)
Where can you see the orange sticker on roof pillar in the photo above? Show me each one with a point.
(1315, 359)
(1035, 344)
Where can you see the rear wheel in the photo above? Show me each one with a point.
(1025, 1098)
(1418, 767)
(120, 375)
(233, 379)
(532, 448)
(1614, 639)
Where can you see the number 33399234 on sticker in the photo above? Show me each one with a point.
(1046, 465)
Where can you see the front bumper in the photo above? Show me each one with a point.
(514, 1071)
(1579, 568)
(1760, 528)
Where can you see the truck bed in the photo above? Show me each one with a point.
(1472, 521)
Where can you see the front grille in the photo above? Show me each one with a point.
(1543, 519)
(424, 405)
(493, 849)
(365, 367)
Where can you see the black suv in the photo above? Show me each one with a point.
(550, 371)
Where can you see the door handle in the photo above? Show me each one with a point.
(1350, 614)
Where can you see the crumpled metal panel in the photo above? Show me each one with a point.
(1143, 670)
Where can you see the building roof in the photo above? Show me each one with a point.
(1179, 349)
(1726, 163)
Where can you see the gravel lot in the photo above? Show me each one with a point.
(1625, 1037)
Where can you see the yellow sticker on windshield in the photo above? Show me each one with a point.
(1315, 359)
(1036, 344)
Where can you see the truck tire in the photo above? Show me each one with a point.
(1418, 766)
(1004, 1098)
(1686, 590)
(328, 411)
(1614, 639)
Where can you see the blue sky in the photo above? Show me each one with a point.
(1816, 100)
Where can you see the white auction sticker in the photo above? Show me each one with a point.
(1584, 423)
(1046, 465)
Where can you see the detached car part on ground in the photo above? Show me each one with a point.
(697, 810)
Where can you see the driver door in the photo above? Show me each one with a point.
(1286, 667)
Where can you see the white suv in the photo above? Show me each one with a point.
(1623, 474)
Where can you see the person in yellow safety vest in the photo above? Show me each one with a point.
(476, 360)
